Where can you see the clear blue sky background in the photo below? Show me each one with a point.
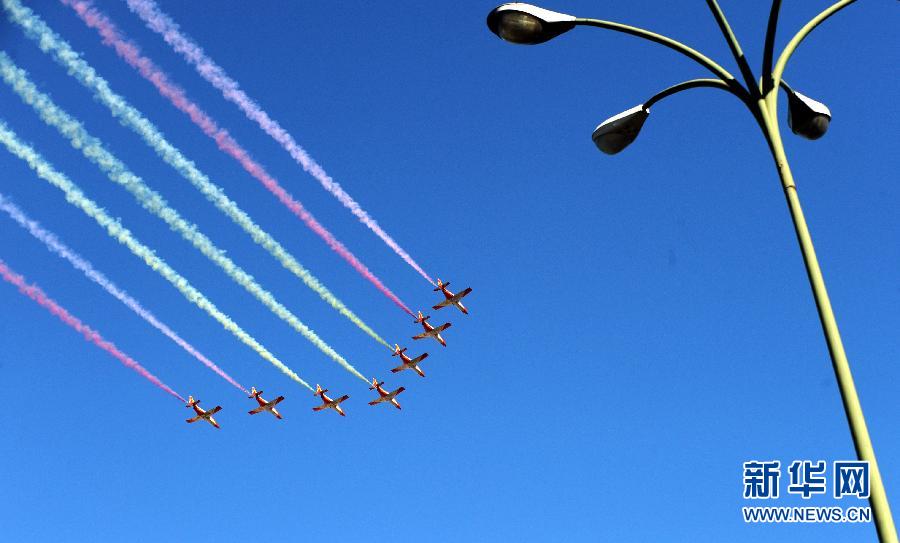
(640, 324)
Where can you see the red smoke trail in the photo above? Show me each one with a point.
(163, 25)
(81, 264)
(130, 53)
(36, 294)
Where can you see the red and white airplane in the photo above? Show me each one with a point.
(263, 404)
(384, 395)
(328, 403)
(451, 299)
(201, 414)
(431, 331)
(408, 363)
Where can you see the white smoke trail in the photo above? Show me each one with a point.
(130, 53)
(54, 245)
(163, 25)
(62, 52)
(93, 149)
(76, 197)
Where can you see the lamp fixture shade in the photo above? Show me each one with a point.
(526, 24)
(617, 132)
(807, 118)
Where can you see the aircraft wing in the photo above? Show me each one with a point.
(214, 410)
(277, 400)
(442, 327)
(401, 367)
(195, 419)
(445, 303)
(463, 293)
(257, 410)
(342, 398)
(423, 335)
(419, 358)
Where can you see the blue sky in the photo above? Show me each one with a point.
(640, 325)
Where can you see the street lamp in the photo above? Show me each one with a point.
(617, 132)
(527, 24)
(807, 118)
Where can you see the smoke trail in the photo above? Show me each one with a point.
(36, 294)
(54, 245)
(49, 42)
(94, 151)
(121, 234)
(130, 53)
(163, 25)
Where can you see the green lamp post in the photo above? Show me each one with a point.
(528, 25)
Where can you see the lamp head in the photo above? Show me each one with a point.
(526, 24)
(617, 132)
(807, 118)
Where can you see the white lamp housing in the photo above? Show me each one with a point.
(526, 24)
(807, 118)
(617, 133)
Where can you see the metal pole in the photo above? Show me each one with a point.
(881, 511)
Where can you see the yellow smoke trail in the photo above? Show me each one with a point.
(62, 52)
(94, 150)
(121, 234)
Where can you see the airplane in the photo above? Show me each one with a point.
(385, 396)
(408, 363)
(452, 299)
(201, 414)
(328, 403)
(263, 404)
(431, 331)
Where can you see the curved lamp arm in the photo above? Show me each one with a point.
(693, 54)
(789, 49)
(692, 84)
(769, 48)
(784, 85)
(735, 47)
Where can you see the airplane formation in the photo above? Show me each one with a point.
(430, 331)
(95, 151)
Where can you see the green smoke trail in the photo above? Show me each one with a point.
(94, 150)
(53, 44)
(121, 234)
